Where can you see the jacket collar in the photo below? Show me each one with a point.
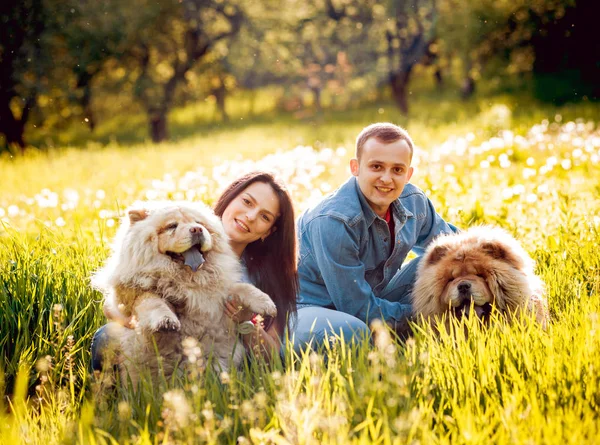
(398, 210)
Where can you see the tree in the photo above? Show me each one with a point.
(23, 63)
(409, 34)
(93, 32)
(185, 32)
(480, 30)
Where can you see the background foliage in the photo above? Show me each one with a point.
(68, 64)
(500, 98)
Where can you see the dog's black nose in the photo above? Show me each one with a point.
(197, 234)
(464, 287)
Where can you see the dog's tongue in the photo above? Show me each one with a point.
(193, 258)
(480, 311)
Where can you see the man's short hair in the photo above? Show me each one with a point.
(385, 133)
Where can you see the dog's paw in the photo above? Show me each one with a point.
(254, 299)
(167, 324)
(265, 307)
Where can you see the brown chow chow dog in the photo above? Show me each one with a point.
(476, 270)
(171, 271)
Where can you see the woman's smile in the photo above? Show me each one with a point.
(241, 226)
(251, 215)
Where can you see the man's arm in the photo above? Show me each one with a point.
(433, 226)
(337, 255)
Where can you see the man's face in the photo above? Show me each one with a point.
(382, 171)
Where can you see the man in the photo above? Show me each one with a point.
(353, 243)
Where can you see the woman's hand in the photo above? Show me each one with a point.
(236, 311)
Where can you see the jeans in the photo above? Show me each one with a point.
(315, 323)
(99, 343)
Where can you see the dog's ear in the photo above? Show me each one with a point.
(495, 250)
(500, 252)
(136, 215)
(437, 254)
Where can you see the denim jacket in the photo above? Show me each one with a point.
(345, 261)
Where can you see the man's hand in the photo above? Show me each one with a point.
(236, 311)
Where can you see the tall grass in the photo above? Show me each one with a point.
(504, 384)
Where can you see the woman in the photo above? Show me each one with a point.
(258, 216)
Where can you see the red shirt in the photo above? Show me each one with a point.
(390, 222)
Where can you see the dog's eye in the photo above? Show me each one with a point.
(172, 226)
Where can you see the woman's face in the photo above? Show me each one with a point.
(251, 215)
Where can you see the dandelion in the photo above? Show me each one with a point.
(13, 210)
(531, 198)
(247, 410)
(518, 189)
(191, 349)
(60, 222)
(124, 411)
(71, 196)
(261, 399)
(176, 409)
(566, 164)
(542, 188)
(381, 334)
(507, 193)
(43, 365)
(276, 375)
(314, 359)
(225, 378)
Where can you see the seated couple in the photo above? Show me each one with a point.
(351, 247)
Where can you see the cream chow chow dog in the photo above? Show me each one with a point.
(171, 271)
(478, 270)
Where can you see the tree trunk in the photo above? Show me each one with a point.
(84, 80)
(317, 98)
(439, 78)
(13, 129)
(468, 86)
(220, 95)
(252, 104)
(399, 83)
(158, 126)
(88, 112)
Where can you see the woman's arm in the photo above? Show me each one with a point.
(264, 343)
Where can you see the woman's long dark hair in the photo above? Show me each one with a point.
(271, 263)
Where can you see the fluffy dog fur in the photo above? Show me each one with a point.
(478, 269)
(150, 276)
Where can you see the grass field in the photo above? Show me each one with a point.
(529, 168)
